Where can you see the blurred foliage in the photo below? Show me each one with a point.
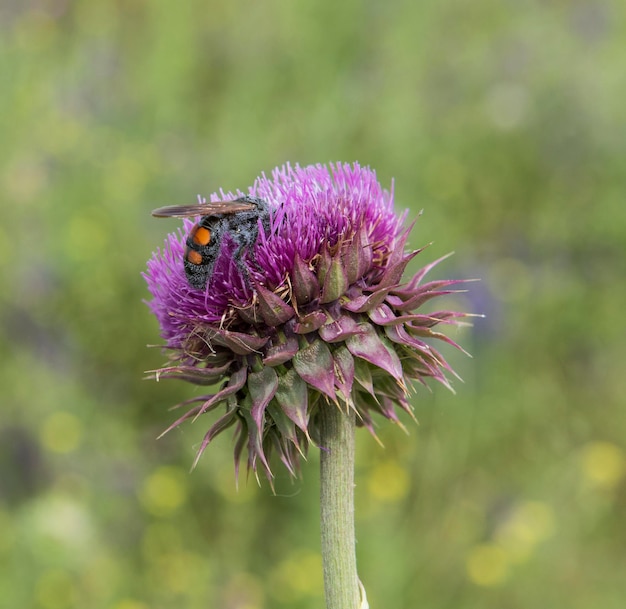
(502, 120)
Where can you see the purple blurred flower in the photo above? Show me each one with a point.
(323, 321)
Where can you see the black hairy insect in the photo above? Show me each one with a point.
(237, 219)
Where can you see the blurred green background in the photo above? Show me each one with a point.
(504, 121)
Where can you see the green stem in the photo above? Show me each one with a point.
(341, 582)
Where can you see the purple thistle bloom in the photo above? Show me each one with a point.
(323, 319)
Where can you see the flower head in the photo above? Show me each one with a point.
(319, 319)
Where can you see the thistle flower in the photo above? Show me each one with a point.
(322, 318)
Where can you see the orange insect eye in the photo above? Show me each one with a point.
(194, 257)
(201, 236)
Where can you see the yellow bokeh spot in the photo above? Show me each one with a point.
(299, 575)
(530, 523)
(487, 565)
(164, 491)
(175, 571)
(603, 464)
(61, 432)
(55, 589)
(388, 482)
(64, 520)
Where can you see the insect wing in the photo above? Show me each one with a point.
(202, 209)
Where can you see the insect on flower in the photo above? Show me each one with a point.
(329, 323)
(238, 219)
